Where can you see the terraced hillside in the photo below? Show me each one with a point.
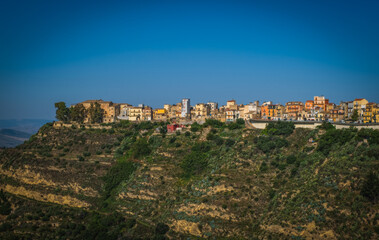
(135, 181)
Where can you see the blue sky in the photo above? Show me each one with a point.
(157, 52)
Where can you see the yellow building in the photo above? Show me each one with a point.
(371, 113)
(202, 110)
(147, 114)
(160, 114)
(359, 103)
(231, 104)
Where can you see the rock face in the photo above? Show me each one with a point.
(120, 181)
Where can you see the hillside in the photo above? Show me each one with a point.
(12, 138)
(130, 181)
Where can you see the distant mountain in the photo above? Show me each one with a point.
(12, 138)
(23, 125)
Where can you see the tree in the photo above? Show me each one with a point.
(195, 127)
(96, 113)
(62, 112)
(140, 148)
(194, 163)
(161, 228)
(355, 116)
(279, 128)
(240, 121)
(78, 113)
(370, 187)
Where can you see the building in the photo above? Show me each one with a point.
(147, 114)
(370, 114)
(309, 105)
(350, 109)
(294, 110)
(160, 114)
(231, 104)
(124, 111)
(111, 110)
(135, 114)
(360, 105)
(268, 111)
(231, 115)
(251, 111)
(321, 102)
(174, 127)
(202, 110)
(186, 108)
(213, 106)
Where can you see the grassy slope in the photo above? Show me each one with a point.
(242, 191)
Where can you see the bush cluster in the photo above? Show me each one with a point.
(270, 143)
(279, 128)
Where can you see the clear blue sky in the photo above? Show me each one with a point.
(157, 52)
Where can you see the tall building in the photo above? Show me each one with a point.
(213, 105)
(186, 107)
(321, 102)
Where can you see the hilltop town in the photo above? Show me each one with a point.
(319, 109)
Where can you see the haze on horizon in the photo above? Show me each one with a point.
(157, 52)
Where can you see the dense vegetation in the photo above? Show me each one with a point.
(213, 180)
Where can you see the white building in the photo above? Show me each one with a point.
(124, 111)
(186, 107)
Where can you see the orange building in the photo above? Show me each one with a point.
(294, 110)
(294, 107)
(321, 102)
(269, 111)
(309, 105)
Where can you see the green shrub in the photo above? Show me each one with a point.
(86, 154)
(326, 126)
(5, 205)
(333, 137)
(195, 127)
(119, 172)
(370, 187)
(213, 123)
(161, 228)
(194, 163)
(240, 121)
(218, 140)
(229, 142)
(6, 227)
(155, 141)
(234, 125)
(263, 167)
(291, 159)
(279, 128)
(172, 140)
(210, 136)
(140, 148)
(270, 143)
(201, 147)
